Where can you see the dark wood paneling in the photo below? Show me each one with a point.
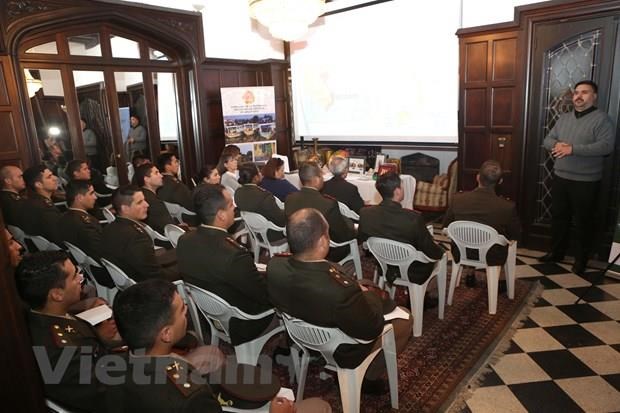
(501, 150)
(476, 150)
(8, 143)
(475, 107)
(476, 62)
(504, 62)
(4, 92)
(502, 107)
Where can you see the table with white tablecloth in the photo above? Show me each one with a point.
(366, 187)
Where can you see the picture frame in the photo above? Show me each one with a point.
(380, 160)
(357, 165)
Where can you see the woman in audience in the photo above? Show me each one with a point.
(208, 174)
(227, 167)
(274, 180)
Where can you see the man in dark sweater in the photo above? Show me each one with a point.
(339, 188)
(40, 216)
(578, 141)
(11, 199)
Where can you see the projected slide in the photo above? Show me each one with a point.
(386, 72)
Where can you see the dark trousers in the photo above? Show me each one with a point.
(573, 202)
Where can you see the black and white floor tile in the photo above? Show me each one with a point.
(565, 357)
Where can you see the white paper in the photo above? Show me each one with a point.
(261, 267)
(96, 314)
(397, 313)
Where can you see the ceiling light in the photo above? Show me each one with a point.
(286, 19)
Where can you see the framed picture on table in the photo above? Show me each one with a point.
(380, 160)
(356, 165)
(387, 167)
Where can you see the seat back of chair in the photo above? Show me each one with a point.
(173, 233)
(217, 311)
(257, 225)
(154, 234)
(109, 216)
(18, 234)
(279, 203)
(80, 256)
(474, 236)
(390, 252)
(325, 340)
(121, 280)
(42, 244)
(348, 212)
(174, 210)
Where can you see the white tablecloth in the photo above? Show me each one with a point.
(367, 189)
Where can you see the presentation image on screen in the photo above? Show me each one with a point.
(387, 72)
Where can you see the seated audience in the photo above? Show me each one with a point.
(148, 178)
(79, 169)
(173, 190)
(40, 215)
(309, 287)
(227, 167)
(252, 198)
(210, 259)
(484, 206)
(139, 159)
(127, 244)
(208, 174)
(51, 285)
(274, 180)
(15, 250)
(341, 229)
(390, 220)
(339, 188)
(11, 200)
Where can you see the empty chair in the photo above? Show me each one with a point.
(354, 255)
(348, 212)
(326, 340)
(401, 255)
(173, 233)
(121, 280)
(473, 236)
(258, 226)
(218, 314)
(87, 263)
(177, 211)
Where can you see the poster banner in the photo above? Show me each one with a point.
(250, 121)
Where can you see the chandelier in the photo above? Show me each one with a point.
(286, 19)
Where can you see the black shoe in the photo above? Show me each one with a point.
(501, 287)
(430, 302)
(579, 267)
(550, 257)
(470, 281)
(374, 387)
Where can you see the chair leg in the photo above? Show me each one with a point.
(441, 285)
(357, 261)
(416, 297)
(492, 281)
(350, 390)
(456, 273)
(303, 370)
(510, 269)
(389, 352)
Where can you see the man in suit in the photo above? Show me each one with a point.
(51, 285)
(40, 215)
(252, 198)
(11, 199)
(484, 206)
(307, 286)
(339, 188)
(341, 229)
(79, 169)
(173, 190)
(82, 229)
(390, 220)
(210, 259)
(148, 177)
(127, 244)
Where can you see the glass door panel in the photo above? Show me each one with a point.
(132, 113)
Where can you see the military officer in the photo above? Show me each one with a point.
(339, 188)
(148, 177)
(173, 190)
(341, 229)
(250, 197)
(209, 258)
(11, 199)
(40, 215)
(127, 244)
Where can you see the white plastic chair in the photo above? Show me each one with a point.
(218, 313)
(242, 231)
(155, 235)
(18, 234)
(121, 280)
(354, 255)
(390, 252)
(348, 212)
(173, 233)
(109, 216)
(475, 236)
(284, 159)
(177, 211)
(258, 226)
(326, 340)
(42, 243)
(279, 203)
(86, 263)
(56, 408)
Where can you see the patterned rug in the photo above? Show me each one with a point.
(433, 365)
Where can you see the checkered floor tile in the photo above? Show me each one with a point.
(565, 357)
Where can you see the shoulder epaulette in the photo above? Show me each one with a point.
(138, 227)
(235, 243)
(63, 334)
(48, 202)
(340, 277)
(86, 218)
(329, 197)
(180, 376)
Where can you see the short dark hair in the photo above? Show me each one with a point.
(205, 172)
(142, 310)
(164, 159)
(271, 167)
(33, 175)
(123, 195)
(590, 83)
(304, 228)
(208, 199)
(141, 172)
(73, 166)
(307, 171)
(490, 173)
(76, 187)
(247, 172)
(37, 274)
(137, 158)
(387, 183)
(231, 149)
